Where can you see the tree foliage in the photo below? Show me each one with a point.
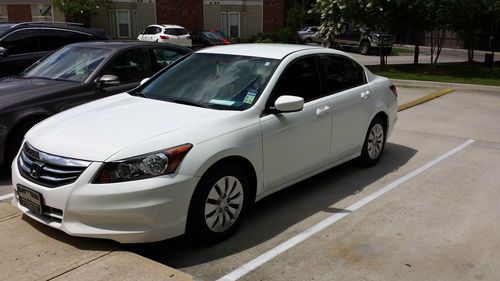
(470, 18)
(79, 10)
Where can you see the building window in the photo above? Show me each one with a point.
(231, 24)
(3, 13)
(223, 22)
(234, 25)
(123, 23)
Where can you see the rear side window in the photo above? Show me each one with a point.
(164, 57)
(55, 38)
(175, 31)
(300, 79)
(341, 73)
(22, 41)
(131, 66)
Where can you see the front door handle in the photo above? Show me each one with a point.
(365, 94)
(323, 110)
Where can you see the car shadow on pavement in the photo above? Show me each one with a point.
(280, 211)
(81, 243)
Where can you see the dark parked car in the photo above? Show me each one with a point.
(364, 39)
(75, 74)
(207, 38)
(22, 44)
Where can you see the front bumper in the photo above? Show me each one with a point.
(129, 212)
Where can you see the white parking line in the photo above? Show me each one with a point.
(269, 255)
(6, 196)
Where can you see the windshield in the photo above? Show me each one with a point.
(69, 63)
(213, 81)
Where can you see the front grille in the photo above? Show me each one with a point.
(49, 170)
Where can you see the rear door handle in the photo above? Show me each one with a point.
(323, 110)
(365, 94)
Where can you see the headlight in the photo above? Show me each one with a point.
(145, 166)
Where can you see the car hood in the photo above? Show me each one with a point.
(16, 89)
(97, 130)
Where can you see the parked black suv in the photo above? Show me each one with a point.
(364, 39)
(75, 74)
(22, 44)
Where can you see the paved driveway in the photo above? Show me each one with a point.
(438, 220)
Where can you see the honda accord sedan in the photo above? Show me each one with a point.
(193, 147)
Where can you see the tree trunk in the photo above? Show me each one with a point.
(440, 45)
(416, 52)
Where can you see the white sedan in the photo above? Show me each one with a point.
(192, 148)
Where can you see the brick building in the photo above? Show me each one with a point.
(28, 10)
(235, 18)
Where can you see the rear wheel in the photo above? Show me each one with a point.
(218, 204)
(308, 41)
(374, 143)
(364, 48)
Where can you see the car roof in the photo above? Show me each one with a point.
(263, 50)
(118, 45)
(7, 27)
(167, 26)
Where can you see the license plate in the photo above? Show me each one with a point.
(30, 199)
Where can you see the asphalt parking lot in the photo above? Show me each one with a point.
(439, 223)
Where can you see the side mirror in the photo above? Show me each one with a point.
(109, 80)
(4, 52)
(289, 104)
(144, 80)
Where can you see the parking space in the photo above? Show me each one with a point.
(438, 225)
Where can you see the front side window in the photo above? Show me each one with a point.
(131, 66)
(341, 73)
(300, 79)
(69, 63)
(150, 30)
(214, 81)
(22, 42)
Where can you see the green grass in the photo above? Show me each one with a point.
(401, 51)
(468, 73)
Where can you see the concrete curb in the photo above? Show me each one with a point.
(457, 86)
(32, 251)
(425, 98)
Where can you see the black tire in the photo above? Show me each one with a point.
(364, 48)
(308, 41)
(15, 139)
(368, 158)
(197, 225)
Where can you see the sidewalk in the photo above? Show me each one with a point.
(442, 85)
(478, 54)
(32, 251)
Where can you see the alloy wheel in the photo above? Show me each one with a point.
(224, 204)
(375, 141)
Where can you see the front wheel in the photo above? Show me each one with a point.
(374, 143)
(218, 204)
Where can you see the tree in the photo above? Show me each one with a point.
(336, 14)
(79, 10)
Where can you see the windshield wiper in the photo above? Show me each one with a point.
(137, 94)
(186, 102)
